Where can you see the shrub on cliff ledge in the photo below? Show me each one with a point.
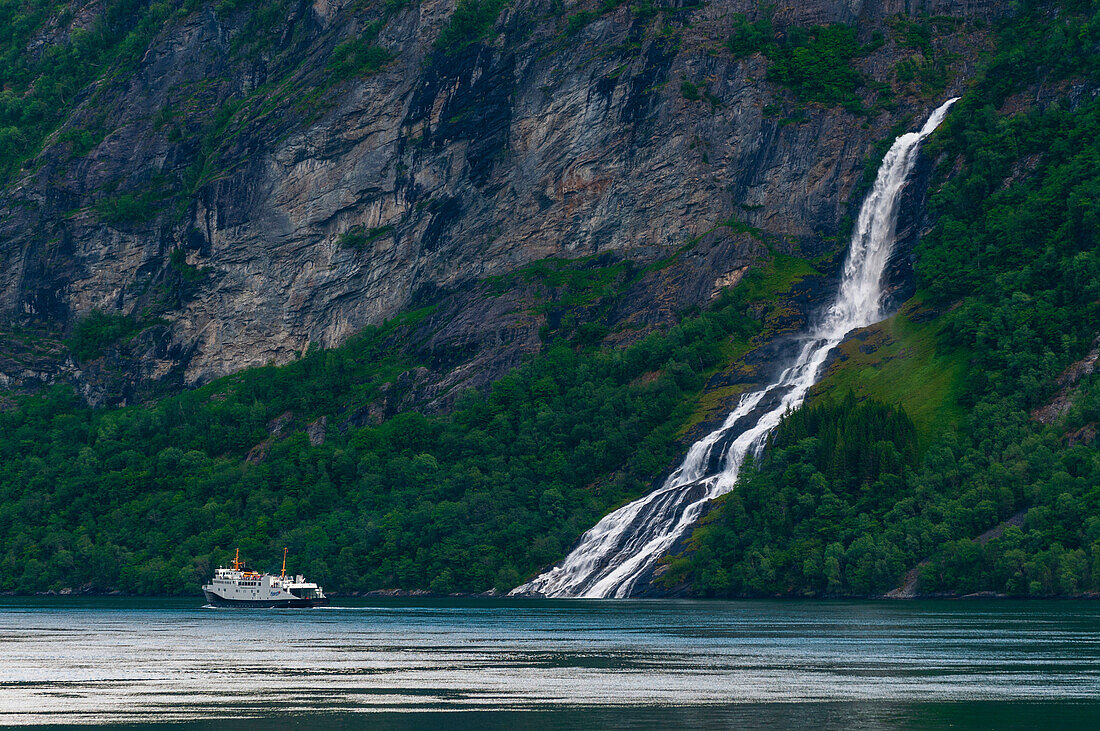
(471, 22)
(816, 64)
(93, 334)
(125, 208)
(358, 237)
(749, 38)
(357, 57)
(360, 56)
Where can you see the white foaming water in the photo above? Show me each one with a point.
(623, 547)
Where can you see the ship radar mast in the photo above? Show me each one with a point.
(237, 561)
(283, 575)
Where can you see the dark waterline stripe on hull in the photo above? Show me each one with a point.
(265, 604)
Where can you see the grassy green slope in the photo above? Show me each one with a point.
(900, 361)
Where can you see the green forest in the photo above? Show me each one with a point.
(842, 503)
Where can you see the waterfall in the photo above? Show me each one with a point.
(624, 546)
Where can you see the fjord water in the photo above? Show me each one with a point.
(614, 555)
(549, 663)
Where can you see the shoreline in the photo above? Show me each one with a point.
(493, 594)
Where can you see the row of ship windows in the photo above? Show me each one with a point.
(238, 583)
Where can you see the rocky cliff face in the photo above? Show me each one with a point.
(246, 203)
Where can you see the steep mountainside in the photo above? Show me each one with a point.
(980, 474)
(239, 182)
(423, 291)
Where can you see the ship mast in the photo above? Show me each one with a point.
(283, 575)
(237, 561)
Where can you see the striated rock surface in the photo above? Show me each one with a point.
(279, 207)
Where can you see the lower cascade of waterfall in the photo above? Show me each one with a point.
(622, 549)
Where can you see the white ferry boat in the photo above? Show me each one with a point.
(239, 586)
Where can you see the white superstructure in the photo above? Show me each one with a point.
(238, 585)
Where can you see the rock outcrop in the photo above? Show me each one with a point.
(274, 207)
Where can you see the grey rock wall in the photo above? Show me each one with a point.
(450, 168)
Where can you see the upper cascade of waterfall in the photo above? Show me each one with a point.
(622, 549)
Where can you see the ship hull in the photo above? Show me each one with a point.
(264, 603)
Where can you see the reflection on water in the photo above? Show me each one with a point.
(562, 664)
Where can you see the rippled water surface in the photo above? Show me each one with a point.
(510, 663)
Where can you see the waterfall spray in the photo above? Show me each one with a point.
(611, 558)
